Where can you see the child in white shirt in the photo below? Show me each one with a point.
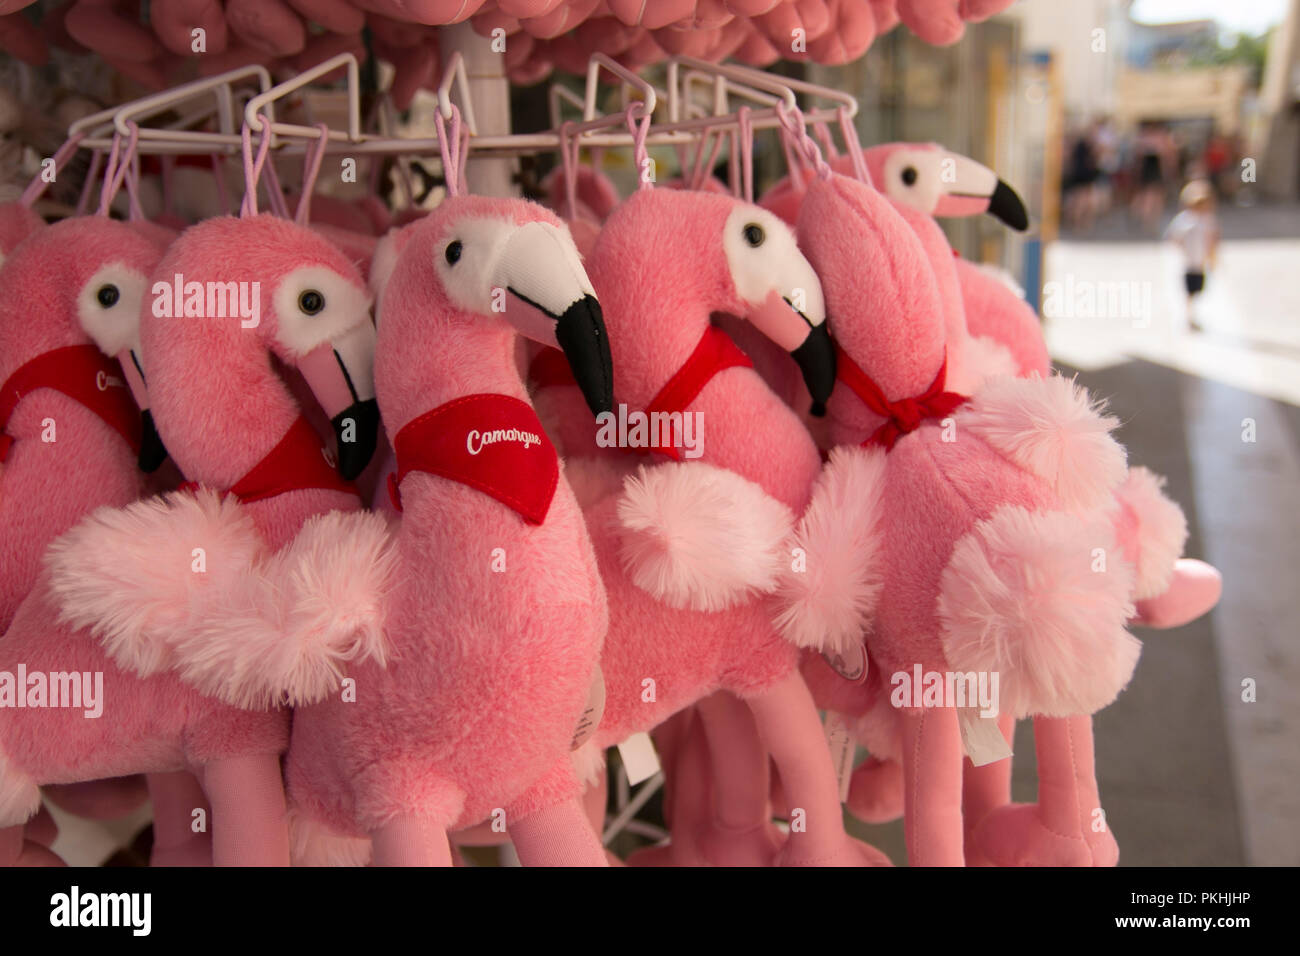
(1196, 232)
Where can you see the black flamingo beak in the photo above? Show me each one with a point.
(356, 430)
(340, 373)
(816, 361)
(152, 450)
(1006, 205)
(580, 333)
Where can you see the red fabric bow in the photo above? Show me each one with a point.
(85, 375)
(904, 415)
(298, 461)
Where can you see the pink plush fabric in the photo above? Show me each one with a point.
(656, 311)
(938, 492)
(17, 222)
(994, 311)
(490, 669)
(221, 409)
(45, 289)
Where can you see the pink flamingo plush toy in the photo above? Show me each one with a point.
(178, 670)
(980, 526)
(497, 620)
(663, 262)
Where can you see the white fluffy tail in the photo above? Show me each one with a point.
(186, 583)
(1052, 428)
(828, 590)
(1041, 600)
(700, 537)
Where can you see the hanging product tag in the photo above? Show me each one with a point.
(640, 761)
(851, 665)
(981, 738)
(842, 748)
(592, 713)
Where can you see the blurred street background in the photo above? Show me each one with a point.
(1100, 112)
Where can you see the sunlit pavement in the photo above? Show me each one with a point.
(1191, 773)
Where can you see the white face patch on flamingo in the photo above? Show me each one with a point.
(323, 323)
(532, 276)
(781, 293)
(108, 310)
(108, 307)
(945, 184)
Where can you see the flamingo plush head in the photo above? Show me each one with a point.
(486, 269)
(85, 279)
(878, 281)
(683, 254)
(941, 183)
(231, 293)
(77, 281)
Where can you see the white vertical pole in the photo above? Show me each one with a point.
(490, 90)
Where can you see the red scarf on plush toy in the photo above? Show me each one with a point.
(84, 374)
(714, 353)
(298, 462)
(494, 443)
(904, 415)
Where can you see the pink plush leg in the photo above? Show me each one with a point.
(688, 775)
(175, 797)
(558, 835)
(791, 731)
(15, 851)
(983, 789)
(409, 840)
(1063, 828)
(876, 791)
(1194, 590)
(737, 830)
(932, 761)
(11, 845)
(248, 813)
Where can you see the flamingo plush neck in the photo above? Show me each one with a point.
(660, 270)
(216, 397)
(890, 319)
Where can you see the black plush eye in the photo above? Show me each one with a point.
(754, 234)
(107, 295)
(311, 301)
(909, 175)
(453, 252)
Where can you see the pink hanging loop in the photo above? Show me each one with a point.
(132, 181)
(794, 161)
(638, 124)
(853, 145)
(119, 165)
(311, 171)
(827, 140)
(704, 170)
(449, 148)
(252, 170)
(38, 184)
(274, 191)
(792, 124)
(745, 133)
(463, 157)
(568, 168)
(88, 187)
